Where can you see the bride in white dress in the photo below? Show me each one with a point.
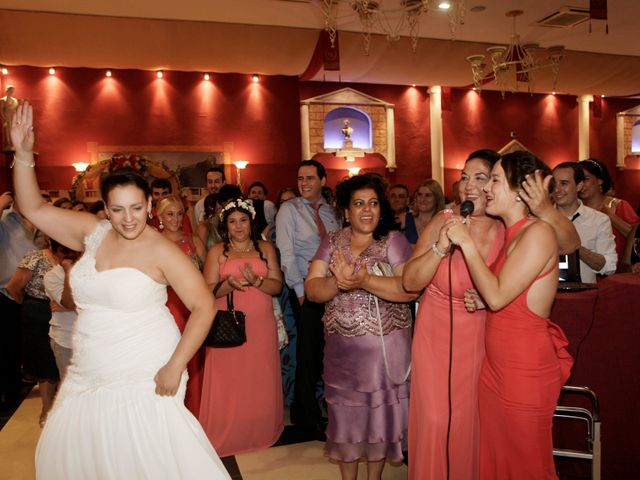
(120, 412)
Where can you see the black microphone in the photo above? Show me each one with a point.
(466, 208)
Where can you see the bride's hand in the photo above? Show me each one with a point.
(168, 380)
(22, 128)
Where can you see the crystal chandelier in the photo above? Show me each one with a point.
(515, 63)
(402, 17)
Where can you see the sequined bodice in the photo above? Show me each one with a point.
(353, 312)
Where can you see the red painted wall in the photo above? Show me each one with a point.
(546, 124)
(262, 120)
(133, 107)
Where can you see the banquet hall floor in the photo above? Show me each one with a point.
(293, 461)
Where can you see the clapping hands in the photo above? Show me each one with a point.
(248, 273)
(348, 275)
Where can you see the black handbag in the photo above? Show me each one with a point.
(228, 329)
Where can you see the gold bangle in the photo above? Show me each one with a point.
(22, 162)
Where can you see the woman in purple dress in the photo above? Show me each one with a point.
(357, 271)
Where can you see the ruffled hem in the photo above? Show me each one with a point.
(353, 398)
(367, 452)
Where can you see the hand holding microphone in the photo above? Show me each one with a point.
(454, 228)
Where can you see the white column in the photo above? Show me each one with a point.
(583, 125)
(391, 138)
(437, 148)
(620, 153)
(304, 131)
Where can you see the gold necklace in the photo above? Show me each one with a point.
(240, 250)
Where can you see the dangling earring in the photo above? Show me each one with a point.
(161, 226)
(150, 215)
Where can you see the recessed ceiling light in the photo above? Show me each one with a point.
(444, 5)
(477, 8)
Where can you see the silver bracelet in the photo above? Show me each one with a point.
(434, 249)
(22, 162)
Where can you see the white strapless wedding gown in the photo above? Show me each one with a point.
(107, 421)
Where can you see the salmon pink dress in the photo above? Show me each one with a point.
(429, 404)
(525, 366)
(241, 407)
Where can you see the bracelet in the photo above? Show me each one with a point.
(434, 249)
(22, 162)
(261, 280)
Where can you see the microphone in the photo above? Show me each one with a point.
(466, 208)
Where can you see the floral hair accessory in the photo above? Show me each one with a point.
(239, 203)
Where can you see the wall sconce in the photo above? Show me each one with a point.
(5, 71)
(206, 76)
(52, 71)
(353, 171)
(80, 166)
(240, 165)
(255, 77)
(160, 74)
(108, 73)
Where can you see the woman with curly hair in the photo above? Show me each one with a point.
(241, 407)
(367, 330)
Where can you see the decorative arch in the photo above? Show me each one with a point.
(317, 119)
(359, 121)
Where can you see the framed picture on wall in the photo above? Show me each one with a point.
(184, 165)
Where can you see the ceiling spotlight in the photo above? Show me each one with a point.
(553, 93)
(159, 74)
(601, 96)
(52, 71)
(413, 85)
(108, 73)
(5, 71)
(444, 5)
(206, 76)
(255, 77)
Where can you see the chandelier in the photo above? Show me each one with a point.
(515, 63)
(393, 19)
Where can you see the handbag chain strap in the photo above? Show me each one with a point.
(384, 349)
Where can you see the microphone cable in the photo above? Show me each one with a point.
(450, 366)
(466, 209)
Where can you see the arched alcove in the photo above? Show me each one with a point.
(359, 121)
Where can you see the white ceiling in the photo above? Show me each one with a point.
(617, 53)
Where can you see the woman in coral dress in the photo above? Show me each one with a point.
(429, 405)
(170, 214)
(526, 363)
(241, 408)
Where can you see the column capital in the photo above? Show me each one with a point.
(584, 98)
(437, 89)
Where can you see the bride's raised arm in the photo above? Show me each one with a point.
(66, 226)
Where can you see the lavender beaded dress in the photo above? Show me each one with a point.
(368, 412)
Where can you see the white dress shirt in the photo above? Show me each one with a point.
(596, 234)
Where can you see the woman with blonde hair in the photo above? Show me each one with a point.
(428, 200)
(170, 211)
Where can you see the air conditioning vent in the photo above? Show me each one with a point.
(564, 17)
